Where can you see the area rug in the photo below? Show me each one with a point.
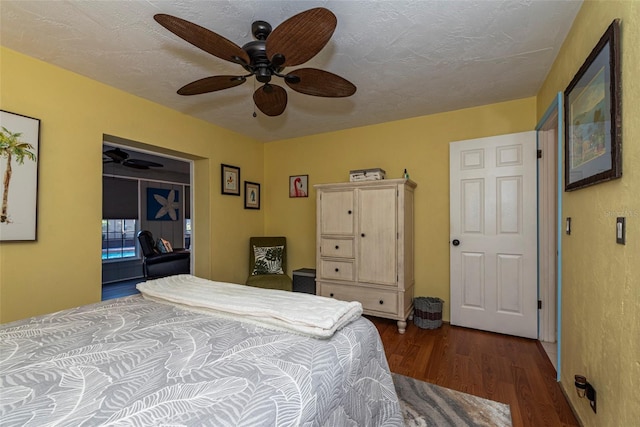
(425, 404)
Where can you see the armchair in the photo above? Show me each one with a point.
(268, 263)
(158, 264)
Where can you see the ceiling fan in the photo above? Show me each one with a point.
(293, 42)
(116, 155)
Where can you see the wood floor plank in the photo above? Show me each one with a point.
(507, 369)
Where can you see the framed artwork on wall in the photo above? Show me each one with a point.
(19, 159)
(251, 195)
(593, 116)
(230, 180)
(163, 204)
(299, 186)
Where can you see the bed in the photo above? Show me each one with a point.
(143, 361)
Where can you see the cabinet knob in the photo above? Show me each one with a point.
(362, 234)
(337, 247)
(337, 269)
(331, 294)
(381, 302)
(349, 212)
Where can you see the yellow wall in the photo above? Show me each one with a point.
(601, 279)
(63, 267)
(601, 294)
(421, 145)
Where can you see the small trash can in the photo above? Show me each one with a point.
(427, 312)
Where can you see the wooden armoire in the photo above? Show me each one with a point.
(365, 245)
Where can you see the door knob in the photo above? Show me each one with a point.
(455, 242)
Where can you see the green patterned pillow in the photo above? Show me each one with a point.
(268, 260)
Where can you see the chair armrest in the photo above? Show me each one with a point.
(170, 256)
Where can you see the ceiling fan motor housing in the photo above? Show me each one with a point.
(260, 64)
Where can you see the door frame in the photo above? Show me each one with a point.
(138, 147)
(555, 110)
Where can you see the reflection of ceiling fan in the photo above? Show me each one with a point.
(295, 41)
(116, 155)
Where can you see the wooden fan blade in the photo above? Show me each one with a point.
(206, 40)
(141, 164)
(211, 84)
(321, 83)
(302, 36)
(116, 155)
(270, 99)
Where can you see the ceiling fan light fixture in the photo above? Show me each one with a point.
(277, 60)
(120, 157)
(263, 74)
(291, 79)
(293, 42)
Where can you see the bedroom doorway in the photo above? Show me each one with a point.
(132, 173)
(549, 138)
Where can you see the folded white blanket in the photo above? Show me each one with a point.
(296, 312)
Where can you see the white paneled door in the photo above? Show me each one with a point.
(493, 242)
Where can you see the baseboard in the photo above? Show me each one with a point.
(127, 279)
(573, 409)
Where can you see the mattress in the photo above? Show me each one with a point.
(132, 361)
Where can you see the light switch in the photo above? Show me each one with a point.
(568, 225)
(621, 230)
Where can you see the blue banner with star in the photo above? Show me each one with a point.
(162, 204)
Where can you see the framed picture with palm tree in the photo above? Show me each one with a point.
(19, 144)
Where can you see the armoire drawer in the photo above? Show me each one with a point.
(371, 299)
(336, 269)
(337, 248)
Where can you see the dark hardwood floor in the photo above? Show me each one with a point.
(120, 289)
(507, 369)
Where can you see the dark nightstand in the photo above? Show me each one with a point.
(304, 280)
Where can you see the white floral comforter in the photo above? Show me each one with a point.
(132, 361)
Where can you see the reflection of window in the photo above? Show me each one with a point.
(118, 238)
(187, 233)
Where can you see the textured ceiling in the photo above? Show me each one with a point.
(407, 58)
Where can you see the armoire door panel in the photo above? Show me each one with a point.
(377, 244)
(337, 212)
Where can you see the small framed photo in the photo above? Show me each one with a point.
(230, 180)
(299, 186)
(251, 195)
